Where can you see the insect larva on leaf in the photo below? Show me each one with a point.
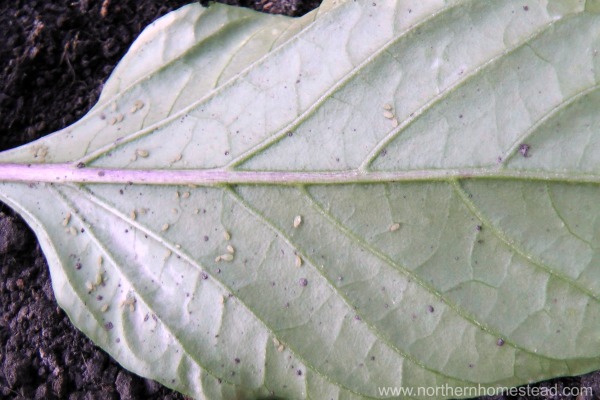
(387, 107)
(230, 249)
(142, 153)
(133, 215)
(394, 227)
(186, 195)
(73, 231)
(138, 104)
(226, 235)
(298, 261)
(388, 114)
(120, 117)
(227, 257)
(89, 286)
(165, 227)
(395, 123)
(99, 278)
(104, 308)
(178, 157)
(67, 219)
(297, 221)
(100, 261)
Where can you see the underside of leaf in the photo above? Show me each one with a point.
(378, 194)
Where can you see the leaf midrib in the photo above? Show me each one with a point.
(69, 173)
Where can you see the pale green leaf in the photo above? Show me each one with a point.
(257, 223)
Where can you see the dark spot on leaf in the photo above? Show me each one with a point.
(108, 326)
(78, 266)
(118, 340)
(524, 149)
(478, 228)
(120, 191)
(204, 276)
(227, 152)
(299, 372)
(206, 238)
(80, 165)
(372, 358)
(303, 282)
(430, 309)
(99, 298)
(237, 360)
(500, 342)
(357, 317)
(526, 8)
(290, 134)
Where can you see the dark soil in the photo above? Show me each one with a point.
(54, 58)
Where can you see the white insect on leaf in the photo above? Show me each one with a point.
(142, 153)
(67, 219)
(226, 257)
(297, 221)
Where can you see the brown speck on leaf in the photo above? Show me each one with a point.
(430, 309)
(303, 282)
(500, 342)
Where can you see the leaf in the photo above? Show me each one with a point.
(453, 241)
